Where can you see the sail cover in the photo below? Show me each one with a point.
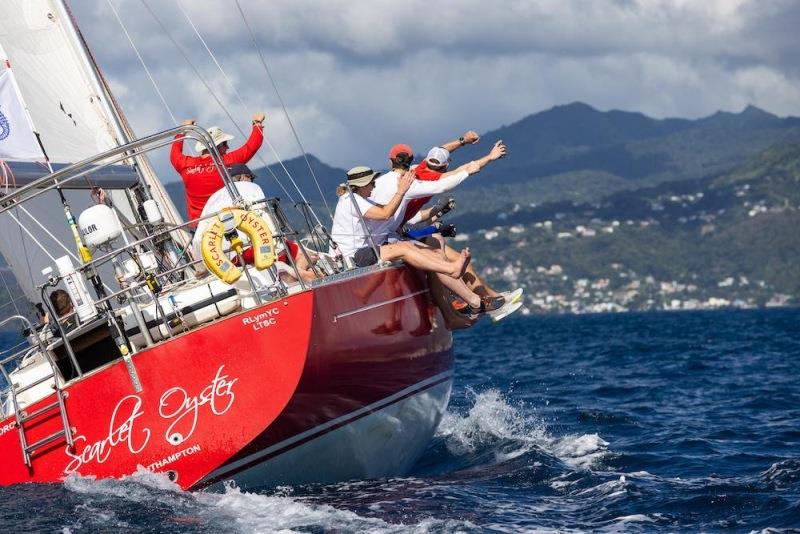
(69, 107)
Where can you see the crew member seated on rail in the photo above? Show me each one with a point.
(251, 192)
(359, 223)
(432, 168)
(386, 187)
(199, 175)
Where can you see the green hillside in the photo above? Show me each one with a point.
(729, 236)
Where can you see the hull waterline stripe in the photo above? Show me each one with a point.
(333, 424)
(377, 305)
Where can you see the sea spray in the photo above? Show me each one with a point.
(493, 420)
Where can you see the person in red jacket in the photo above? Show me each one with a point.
(200, 177)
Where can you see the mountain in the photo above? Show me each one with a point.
(619, 149)
(575, 152)
(723, 239)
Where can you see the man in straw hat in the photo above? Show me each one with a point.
(359, 223)
(200, 177)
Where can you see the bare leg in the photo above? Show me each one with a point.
(473, 281)
(460, 288)
(425, 258)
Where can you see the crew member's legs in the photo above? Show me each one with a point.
(458, 287)
(471, 278)
(425, 258)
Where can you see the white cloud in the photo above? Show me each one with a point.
(358, 76)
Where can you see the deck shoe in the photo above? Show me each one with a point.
(505, 311)
(513, 296)
(490, 304)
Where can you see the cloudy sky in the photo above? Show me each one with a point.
(360, 75)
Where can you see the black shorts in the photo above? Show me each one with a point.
(364, 257)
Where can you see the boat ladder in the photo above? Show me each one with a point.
(24, 416)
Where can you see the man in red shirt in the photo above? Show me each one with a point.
(200, 177)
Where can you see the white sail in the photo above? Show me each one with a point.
(71, 109)
(65, 108)
(17, 140)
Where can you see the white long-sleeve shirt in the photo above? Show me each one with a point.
(385, 189)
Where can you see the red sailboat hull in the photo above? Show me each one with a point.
(235, 398)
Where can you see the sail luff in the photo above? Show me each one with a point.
(122, 126)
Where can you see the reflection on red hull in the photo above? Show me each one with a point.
(215, 399)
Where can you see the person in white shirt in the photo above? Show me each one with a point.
(401, 157)
(253, 194)
(432, 167)
(357, 223)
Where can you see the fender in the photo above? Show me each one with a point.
(261, 239)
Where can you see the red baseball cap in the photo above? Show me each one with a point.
(397, 149)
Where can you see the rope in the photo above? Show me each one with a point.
(8, 179)
(208, 87)
(285, 111)
(141, 61)
(10, 294)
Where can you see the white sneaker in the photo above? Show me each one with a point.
(504, 311)
(513, 296)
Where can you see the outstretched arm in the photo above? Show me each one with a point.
(469, 138)
(497, 152)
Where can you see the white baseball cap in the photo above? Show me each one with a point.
(438, 157)
(217, 135)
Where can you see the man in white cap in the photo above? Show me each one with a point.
(200, 177)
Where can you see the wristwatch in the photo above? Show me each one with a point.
(462, 141)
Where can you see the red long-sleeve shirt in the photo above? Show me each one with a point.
(200, 177)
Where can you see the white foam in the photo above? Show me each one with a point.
(635, 518)
(243, 511)
(491, 418)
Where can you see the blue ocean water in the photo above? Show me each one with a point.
(668, 422)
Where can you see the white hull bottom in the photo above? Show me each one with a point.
(380, 440)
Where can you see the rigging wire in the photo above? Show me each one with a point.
(285, 110)
(141, 61)
(208, 87)
(238, 96)
(8, 291)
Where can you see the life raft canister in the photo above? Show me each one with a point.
(261, 240)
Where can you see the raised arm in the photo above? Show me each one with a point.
(178, 159)
(469, 138)
(244, 153)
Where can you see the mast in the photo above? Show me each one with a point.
(118, 121)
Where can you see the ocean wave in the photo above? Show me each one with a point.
(783, 474)
(493, 421)
(232, 510)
